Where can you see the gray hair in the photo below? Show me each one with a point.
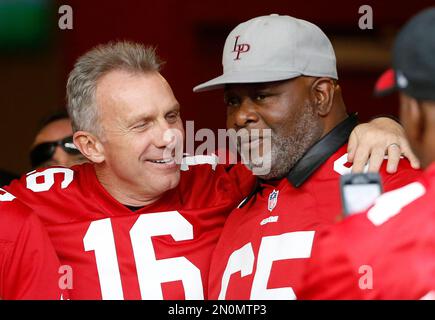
(90, 67)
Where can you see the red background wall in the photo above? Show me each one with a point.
(190, 36)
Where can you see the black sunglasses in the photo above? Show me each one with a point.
(44, 151)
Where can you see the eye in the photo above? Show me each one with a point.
(260, 97)
(231, 101)
(139, 126)
(172, 117)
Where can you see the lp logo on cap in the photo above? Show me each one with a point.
(240, 48)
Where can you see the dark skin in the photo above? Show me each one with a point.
(276, 105)
(418, 119)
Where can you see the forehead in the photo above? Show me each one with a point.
(121, 93)
(53, 131)
(289, 84)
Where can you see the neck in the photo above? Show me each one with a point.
(427, 149)
(337, 115)
(122, 190)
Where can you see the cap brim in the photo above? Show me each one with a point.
(245, 77)
(386, 83)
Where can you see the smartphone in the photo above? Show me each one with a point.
(359, 191)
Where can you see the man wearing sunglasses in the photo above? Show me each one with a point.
(53, 145)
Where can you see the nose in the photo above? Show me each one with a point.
(165, 136)
(244, 115)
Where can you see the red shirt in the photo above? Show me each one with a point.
(28, 263)
(159, 251)
(264, 245)
(387, 252)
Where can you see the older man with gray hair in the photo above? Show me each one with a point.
(135, 223)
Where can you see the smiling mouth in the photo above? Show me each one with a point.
(162, 161)
(251, 143)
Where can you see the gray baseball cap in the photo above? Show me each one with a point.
(273, 48)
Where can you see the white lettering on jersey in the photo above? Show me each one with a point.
(391, 203)
(291, 245)
(268, 220)
(240, 260)
(99, 238)
(48, 174)
(151, 272)
(429, 296)
(6, 196)
(340, 168)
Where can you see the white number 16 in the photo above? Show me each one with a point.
(150, 271)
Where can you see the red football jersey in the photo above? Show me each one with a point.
(28, 263)
(387, 252)
(159, 251)
(264, 244)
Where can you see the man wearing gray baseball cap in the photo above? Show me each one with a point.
(273, 48)
(280, 75)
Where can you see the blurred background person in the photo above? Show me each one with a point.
(53, 144)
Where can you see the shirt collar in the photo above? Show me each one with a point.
(315, 156)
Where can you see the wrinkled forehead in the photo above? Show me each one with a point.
(294, 85)
(121, 93)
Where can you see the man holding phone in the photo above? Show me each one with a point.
(388, 252)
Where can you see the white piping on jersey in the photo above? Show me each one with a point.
(243, 201)
(199, 159)
(429, 296)
(391, 203)
(340, 168)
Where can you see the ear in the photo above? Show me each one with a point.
(413, 118)
(90, 146)
(323, 92)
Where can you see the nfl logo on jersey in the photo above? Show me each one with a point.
(273, 199)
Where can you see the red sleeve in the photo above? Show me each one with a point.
(405, 174)
(239, 173)
(242, 177)
(329, 272)
(31, 265)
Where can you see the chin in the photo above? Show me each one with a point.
(170, 182)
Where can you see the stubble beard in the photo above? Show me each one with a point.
(288, 149)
